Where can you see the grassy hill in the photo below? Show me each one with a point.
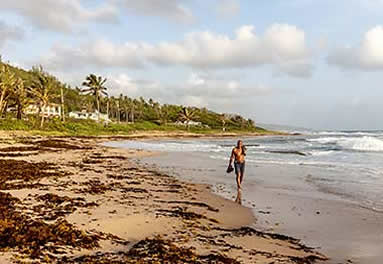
(127, 114)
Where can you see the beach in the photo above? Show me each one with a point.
(73, 200)
(326, 195)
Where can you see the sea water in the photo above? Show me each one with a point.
(349, 162)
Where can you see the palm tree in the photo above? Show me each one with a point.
(118, 112)
(223, 121)
(133, 107)
(21, 97)
(251, 122)
(42, 89)
(7, 82)
(186, 115)
(62, 100)
(125, 105)
(164, 114)
(95, 86)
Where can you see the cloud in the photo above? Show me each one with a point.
(59, 15)
(366, 56)
(282, 46)
(228, 8)
(126, 85)
(8, 33)
(216, 92)
(170, 9)
(202, 90)
(99, 53)
(216, 87)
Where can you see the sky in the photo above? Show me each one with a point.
(308, 63)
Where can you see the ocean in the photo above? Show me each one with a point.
(346, 164)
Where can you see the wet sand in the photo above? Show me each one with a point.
(71, 200)
(283, 201)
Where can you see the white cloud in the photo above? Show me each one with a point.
(228, 8)
(283, 46)
(126, 85)
(8, 32)
(59, 15)
(367, 56)
(207, 90)
(202, 90)
(98, 53)
(170, 9)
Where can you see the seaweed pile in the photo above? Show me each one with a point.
(37, 239)
(19, 174)
(60, 144)
(153, 251)
(184, 214)
(54, 206)
(20, 151)
(95, 186)
(33, 147)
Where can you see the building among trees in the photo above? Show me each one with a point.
(96, 116)
(50, 110)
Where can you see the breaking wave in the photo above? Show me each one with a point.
(365, 143)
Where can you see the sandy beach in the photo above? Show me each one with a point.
(284, 200)
(71, 200)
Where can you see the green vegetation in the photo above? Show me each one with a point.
(20, 89)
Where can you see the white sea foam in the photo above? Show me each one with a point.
(322, 153)
(349, 133)
(365, 143)
(169, 146)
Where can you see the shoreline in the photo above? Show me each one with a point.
(141, 135)
(336, 227)
(116, 210)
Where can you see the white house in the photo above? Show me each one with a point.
(190, 123)
(96, 116)
(51, 110)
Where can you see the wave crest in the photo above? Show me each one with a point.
(365, 143)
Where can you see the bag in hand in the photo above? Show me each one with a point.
(229, 169)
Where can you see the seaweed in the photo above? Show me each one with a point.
(55, 206)
(60, 144)
(97, 187)
(34, 238)
(180, 212)
(23, 173)
(153, 251)
(20, 149)
(198, 204)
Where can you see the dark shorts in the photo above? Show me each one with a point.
(239, 167)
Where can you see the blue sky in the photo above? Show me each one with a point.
(310, 63)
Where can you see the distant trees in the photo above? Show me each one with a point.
(7, 82)
(186, 115)
(43, 90)
(251, 122)
(19, 92)
(20, 88)
(21, 97)
(96, 87)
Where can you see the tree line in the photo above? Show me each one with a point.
(20, 88)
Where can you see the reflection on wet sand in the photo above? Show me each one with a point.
(239, 197)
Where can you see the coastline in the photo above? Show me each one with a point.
(139, 134)
(117, 210)
(284, 201)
